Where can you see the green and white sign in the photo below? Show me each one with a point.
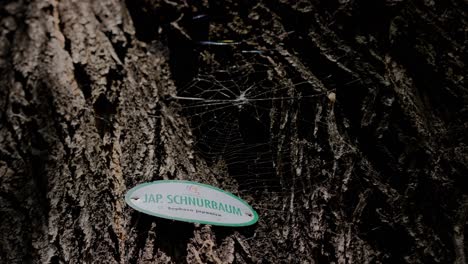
(191, 202)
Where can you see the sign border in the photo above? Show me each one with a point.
(139, 186)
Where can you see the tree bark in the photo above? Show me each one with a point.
(357, 151)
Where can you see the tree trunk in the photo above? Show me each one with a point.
(343, 123)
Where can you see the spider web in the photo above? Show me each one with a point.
(231, 107)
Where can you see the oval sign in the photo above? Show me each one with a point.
(191, 202)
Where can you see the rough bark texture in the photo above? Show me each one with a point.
(88, 111)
